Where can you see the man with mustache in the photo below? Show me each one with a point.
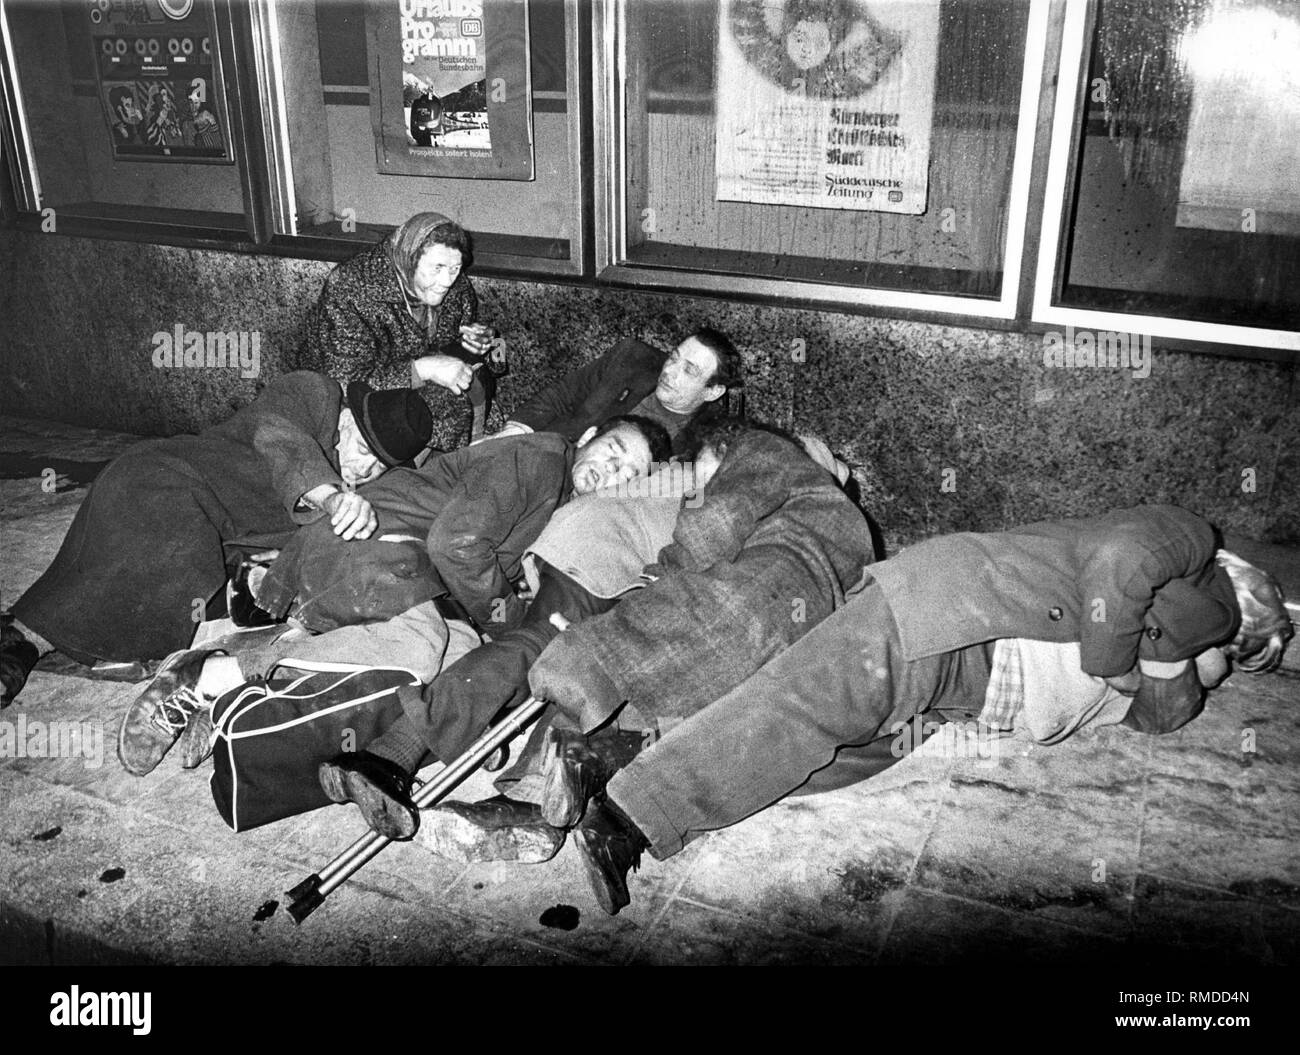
(452, 532)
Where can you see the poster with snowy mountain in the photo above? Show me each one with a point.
(451, 88)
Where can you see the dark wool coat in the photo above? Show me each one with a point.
(1133, 583)
(360, 330)
(471, 514)
(609, 386)
(145, 551)
(766, 556)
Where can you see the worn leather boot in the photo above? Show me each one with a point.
(18, 658)
(241, 604)
(496, 829)
(610, 846)
(380, 788)
(157, 717)
(577, 768)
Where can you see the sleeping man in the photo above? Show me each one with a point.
(151, 543)
(1128, 616)
(770, 549)
(454, 530)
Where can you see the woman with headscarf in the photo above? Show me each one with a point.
(403, 314)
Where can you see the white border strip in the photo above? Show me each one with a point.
(1073, 50)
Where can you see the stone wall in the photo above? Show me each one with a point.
(947, 427)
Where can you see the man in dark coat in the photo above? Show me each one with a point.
(678, 389)
(475, 510)
(457, 526)
(1140, 591)
(767, 554)
(149, 545)
(769, 550)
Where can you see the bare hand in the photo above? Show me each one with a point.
(513, 428)
(351, 516)
(477, 339)
(445, 370)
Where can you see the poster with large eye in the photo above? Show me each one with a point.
(160, 80)
(826, 103)
(451, 88)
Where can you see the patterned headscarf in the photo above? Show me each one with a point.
(405, 247)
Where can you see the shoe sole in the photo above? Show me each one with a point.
(610, 900)
(382, 815)
(133, 769)
(196, 743)
(169, 664)
(459, 839)
(559, 807)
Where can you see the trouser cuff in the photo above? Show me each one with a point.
(645, 811)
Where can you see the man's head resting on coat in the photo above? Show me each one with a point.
(380, 430)
(621, 449)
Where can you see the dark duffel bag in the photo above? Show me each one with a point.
(271, 735)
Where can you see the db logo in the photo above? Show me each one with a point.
(471, 27)
(895, 195)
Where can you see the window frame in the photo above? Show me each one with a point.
(230, 26)
(284, 238)
(1062, 174)
(611, 104)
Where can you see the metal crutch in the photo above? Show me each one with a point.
(312, 891)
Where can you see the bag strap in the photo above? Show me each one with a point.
(256, 693)
(323, 666)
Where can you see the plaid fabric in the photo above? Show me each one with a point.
(1005, 696)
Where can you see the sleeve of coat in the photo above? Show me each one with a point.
(505, 504)
(1120, 578)
(349, 349)
(468, 307)
(742, 493)
(287, 437)
(569, 675)
(562, 399)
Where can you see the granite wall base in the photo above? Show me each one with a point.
(948, 428)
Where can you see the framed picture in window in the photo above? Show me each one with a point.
(158, 71)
